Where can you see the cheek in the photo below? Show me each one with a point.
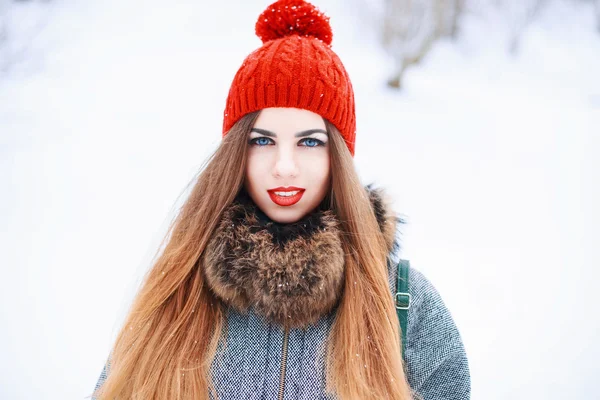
(254, 169)
(317, 167)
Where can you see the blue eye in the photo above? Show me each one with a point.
(312, 142)
(261, 141)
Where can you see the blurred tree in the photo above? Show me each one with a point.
(3, 32)
(450, 12)
(519, 14)
(597, 9)
(410, 27)
(595, 5)
(21, 21)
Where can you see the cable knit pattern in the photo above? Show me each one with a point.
(298, 70)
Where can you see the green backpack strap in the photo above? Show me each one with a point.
(403, 298)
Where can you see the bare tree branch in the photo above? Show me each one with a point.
(410, 27)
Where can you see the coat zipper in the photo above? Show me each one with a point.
(283, 363)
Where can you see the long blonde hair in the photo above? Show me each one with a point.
(170, 336)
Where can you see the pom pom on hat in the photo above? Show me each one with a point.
(293, 17)
(295, 67)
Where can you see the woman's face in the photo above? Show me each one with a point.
(288, 170)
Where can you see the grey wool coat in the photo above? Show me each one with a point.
(261, 362)
(249, 368)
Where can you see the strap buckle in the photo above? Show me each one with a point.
(403, 300)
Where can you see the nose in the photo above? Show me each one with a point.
(285, 164)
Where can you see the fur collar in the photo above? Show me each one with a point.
(291, 274)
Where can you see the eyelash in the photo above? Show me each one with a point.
(253, 142)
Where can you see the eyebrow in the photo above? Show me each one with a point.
(299, 134)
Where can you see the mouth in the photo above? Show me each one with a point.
(286, 197)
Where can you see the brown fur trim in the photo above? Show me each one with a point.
(291, 274)
(386, 218)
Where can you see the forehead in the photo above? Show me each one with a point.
(288, 120)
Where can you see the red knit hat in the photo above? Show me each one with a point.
(295, 67)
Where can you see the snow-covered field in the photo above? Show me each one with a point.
(108, 109)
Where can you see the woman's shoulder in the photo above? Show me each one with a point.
(436, 360)
(424, 295)
(428, 314)
(426, 302)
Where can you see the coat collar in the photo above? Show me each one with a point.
(291, 274)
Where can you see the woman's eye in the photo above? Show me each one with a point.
(261, 141)
(311, 142)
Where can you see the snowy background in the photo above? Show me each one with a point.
(108, 109)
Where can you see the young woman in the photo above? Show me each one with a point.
(278, 276)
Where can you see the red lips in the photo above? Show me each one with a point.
(284, 198)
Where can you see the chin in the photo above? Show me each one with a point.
(286, 216)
